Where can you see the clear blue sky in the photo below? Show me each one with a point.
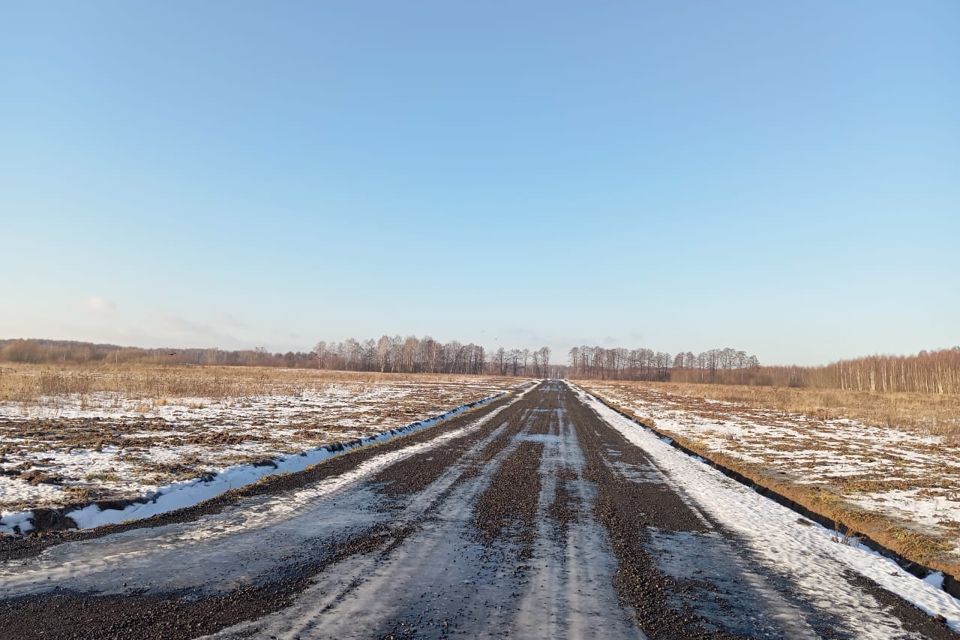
(778, 177)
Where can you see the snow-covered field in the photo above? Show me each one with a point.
(104, 446)
(910, 478)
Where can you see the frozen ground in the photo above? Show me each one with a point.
(910, 478)
(542, 514)
(76, 449)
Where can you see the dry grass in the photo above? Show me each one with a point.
(30, 384)
(936, 414)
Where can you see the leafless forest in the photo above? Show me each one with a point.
(385, 355)
(927, 372)
(426, 355)
(647, 364)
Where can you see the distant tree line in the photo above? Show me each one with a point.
(935, 371)
(387, 354)
(715, 365)
(425, 355)
(926, 372)
(67, 351)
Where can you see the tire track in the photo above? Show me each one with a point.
(418, 471)
(564, 509)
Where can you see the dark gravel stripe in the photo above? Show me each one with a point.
(510, 502)
(565, 506)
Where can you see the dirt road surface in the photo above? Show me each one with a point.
(529, 517)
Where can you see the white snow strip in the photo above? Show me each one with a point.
(179, 495)
(805, 551)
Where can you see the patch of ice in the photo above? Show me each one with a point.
(935, 580)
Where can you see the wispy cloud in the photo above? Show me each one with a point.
(99, 304)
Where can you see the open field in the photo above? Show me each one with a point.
(928, 413)
(847, 459)
(540, 514)
(51, 386)
(72, 436)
